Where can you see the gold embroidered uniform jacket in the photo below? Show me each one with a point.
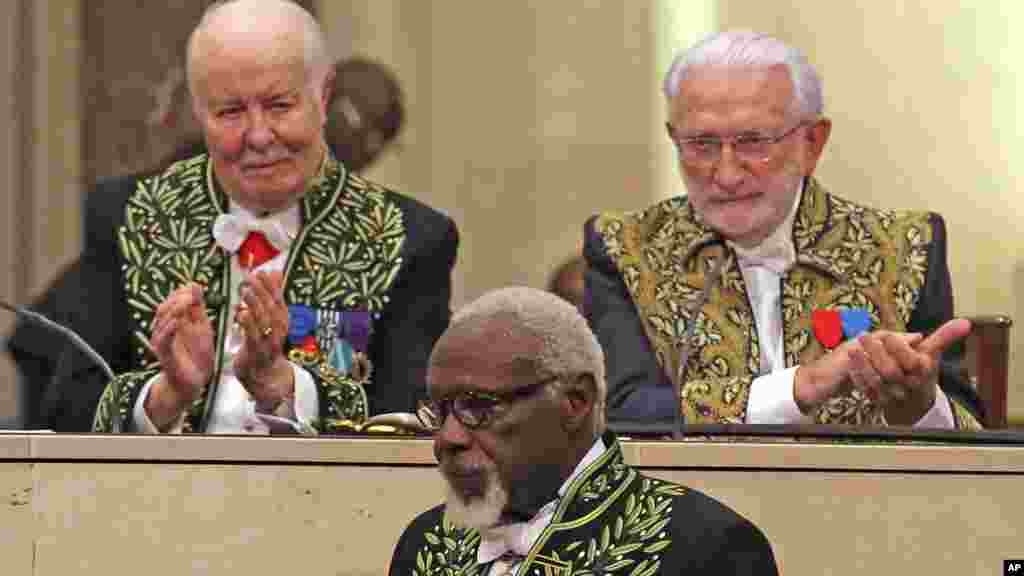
(647, 268)
(367, 281)
(611, 520)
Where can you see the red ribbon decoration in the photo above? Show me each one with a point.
(309, 344)
(256, 250)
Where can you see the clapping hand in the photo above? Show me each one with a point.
(183, 341)
(899, 371)
(260, 364)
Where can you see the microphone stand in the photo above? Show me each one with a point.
(82, 345)
(711, 280)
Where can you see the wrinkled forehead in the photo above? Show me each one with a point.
(237, 65)
(735, 94)
(243, 77)
(229, 45)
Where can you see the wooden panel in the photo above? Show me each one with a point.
(224, 505)
(852, 523)
(726, 452)
(17, 521)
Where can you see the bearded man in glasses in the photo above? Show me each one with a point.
(761, 295)
(517, 394)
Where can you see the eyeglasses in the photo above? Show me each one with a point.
(750, 147)
(473, 409)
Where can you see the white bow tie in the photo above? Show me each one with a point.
(499, 541)
(230, 230)
(516, 538)
(775, 256)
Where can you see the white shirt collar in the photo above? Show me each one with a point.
(778, 244)
(280, 228)
(290, 218)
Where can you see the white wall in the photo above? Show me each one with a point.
(525, 117)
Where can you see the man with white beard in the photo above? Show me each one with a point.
(760, 297)
(517, 392)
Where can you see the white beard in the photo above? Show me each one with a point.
(478, 512)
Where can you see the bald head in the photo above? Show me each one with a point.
(259, 80)
(280, 31)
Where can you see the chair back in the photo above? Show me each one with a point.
(986, 365)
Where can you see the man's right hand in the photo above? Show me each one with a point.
(836, 373)
(182, 339)
(897, 370)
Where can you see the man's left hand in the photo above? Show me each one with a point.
(260, 364)
(900, 371)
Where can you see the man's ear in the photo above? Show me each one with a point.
(580, 395)
(817, 137)
(326, 94)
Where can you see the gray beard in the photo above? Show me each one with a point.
(480, 512)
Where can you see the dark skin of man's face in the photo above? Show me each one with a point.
(527, 442)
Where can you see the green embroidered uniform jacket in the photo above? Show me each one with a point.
(647, 268)
(611, 520)
(368, 275)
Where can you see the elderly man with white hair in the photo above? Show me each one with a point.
(534, 483)
(760, 296)
(263, 286)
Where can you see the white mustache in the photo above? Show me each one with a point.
(254, 160)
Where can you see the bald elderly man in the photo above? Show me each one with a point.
(262, 286)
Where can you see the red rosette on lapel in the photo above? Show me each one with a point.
(828, 327)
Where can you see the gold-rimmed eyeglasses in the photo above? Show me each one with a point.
(750, 147)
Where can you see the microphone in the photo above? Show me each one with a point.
(79, 343)
(710, 281)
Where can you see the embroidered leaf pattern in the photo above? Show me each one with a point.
(629, 538)
(612, 244)
(796, 299)
(346, 398)
(166, 241)
(448, 551)
(631, 277)
(848, 256)
(354, 254)
(596, 488)
(853, 408)
(126, 386)
(635, 537)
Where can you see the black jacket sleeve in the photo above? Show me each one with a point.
(934, 308)
(62, 385)
(710, 538)
(417, 313)
(638, 389)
